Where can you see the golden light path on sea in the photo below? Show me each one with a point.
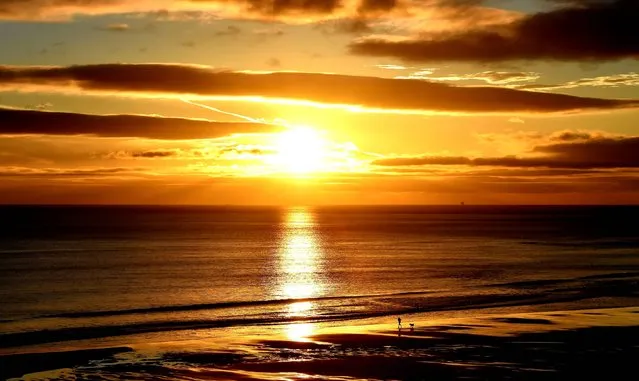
(300, 259)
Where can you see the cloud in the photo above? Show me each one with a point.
(30, 122)
(424, 74)
(373, 93)
(579, 135)
(536, 172)
(257, 9)
(538, 138)
(230, 30)
(355, 14)
(599, 30)
(47, 9)
(64, 172)
(423, 160)
(377, 5)
(154, 154)
(492, 77)
(268, 32)
(273, 62)
(355, 26)
(583, 154)
(226, 152)
(615, 80)
(146, 154)
(244, 150)
(116, 27)
(596, 152)
(39, 106)
(392, 67)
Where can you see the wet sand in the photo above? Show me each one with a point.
(19, 364)
(556, 345)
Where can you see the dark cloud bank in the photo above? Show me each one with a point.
(576, 30)
(29, 122)
(589, 154)
(37, 9)
(370, 92)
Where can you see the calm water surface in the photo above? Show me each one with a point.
(90, 272)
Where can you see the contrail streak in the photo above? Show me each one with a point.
(252, 120)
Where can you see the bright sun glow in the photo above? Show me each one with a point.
(300, 332)
(301, 150)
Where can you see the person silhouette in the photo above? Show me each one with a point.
(399, 323)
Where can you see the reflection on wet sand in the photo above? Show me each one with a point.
(300, 331)
(553, 345)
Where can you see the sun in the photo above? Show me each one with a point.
(301, 150)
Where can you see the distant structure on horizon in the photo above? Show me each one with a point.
(462, 203)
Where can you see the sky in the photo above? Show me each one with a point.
(319, 102)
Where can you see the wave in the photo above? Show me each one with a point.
(620, 243)
(219, 305)
(525, 293)
(427, 305)
(276, 302)
(556, 282)
(94, 332)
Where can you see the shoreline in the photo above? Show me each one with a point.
(609, 290)
(532, 344)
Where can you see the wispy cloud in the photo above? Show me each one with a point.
(491, 77)
(116, 27)
(67, 172)
(215, 109)
(230, 31)
(392, 67)
(229, 152)
(614, 80)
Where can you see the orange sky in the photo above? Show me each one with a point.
(320, 102)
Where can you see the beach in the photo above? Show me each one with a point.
(553, 345)
(178, 293)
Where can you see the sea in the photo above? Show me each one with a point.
(99, 274)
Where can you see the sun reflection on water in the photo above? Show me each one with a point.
(300, 308)
(300, 261)
(300, 256)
